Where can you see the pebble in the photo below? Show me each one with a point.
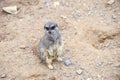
(102, 14)
(52, 78)
(67, 74)
(67, 62)
(67, 50)
(90, 12)
(89, 79)
(62, 16)
(47, 3)
(56, 4)
(22, 47)
(116, 65)
(79, 71)
(21, 20)
(3, 75)
(98, 63)
(114, 16)
(110, 2)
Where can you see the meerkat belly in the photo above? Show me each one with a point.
(54, 48)
(53, 51)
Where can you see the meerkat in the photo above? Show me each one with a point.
(50, 45)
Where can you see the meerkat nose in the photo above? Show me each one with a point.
(49, 32)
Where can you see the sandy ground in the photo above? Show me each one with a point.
(91, 37)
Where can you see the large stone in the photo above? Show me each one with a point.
(3, 75)
(110, 2)
(11, 9)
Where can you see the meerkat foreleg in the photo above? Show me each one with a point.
(50, 52)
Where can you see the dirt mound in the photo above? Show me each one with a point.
(101, 39)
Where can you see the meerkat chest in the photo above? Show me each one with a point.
(54, 45)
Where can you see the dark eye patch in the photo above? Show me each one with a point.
(53, 27)
(46, 28)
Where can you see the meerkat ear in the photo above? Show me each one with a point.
(56, 25)
(44, 26)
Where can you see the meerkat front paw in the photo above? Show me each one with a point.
(51, 54)
(59, 59)
(50, 51)
(50, 67)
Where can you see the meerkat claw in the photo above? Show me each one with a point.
(51, 54)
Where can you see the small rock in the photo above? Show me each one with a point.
(67, 62)
(98, 63)
(47, 3)
(22, 47)
(67, 74)
(102, 14)
(21, 20)
(90, 12)
(79, 71)
(110, 2)
(99, 76)
(52, 78)
(3, 75)
(56, 4)
(114, 16)
(116, 65)
(11, 9)
(89, 79)
(67, 50)
(75, 33)
(62, 16)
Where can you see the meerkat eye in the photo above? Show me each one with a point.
(53, 27)
(46, 28)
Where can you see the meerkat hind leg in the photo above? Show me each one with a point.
(50, 52)
(48, 58)
(49, 61)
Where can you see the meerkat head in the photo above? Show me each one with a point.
(51, 28)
